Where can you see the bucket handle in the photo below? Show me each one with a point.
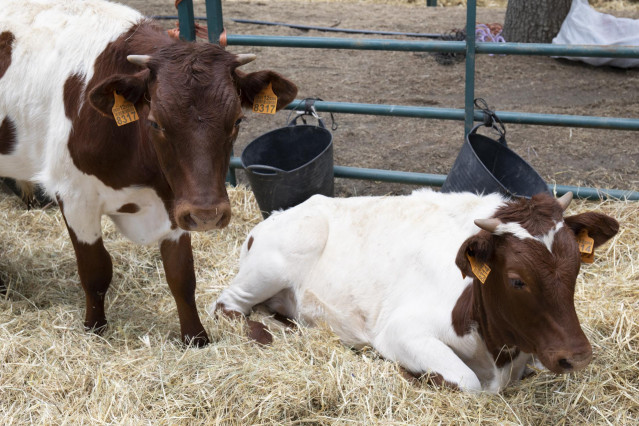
(256, 168)
(293, 122)
(309, 109)
(490, 120)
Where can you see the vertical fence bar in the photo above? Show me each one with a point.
(471, 16)
(186, 19)
(215, 26)
(214, 20)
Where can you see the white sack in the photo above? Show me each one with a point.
(584, 25)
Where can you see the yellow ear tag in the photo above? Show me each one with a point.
(481, 270)
(123, 111)
(586, 246)
(265, 102)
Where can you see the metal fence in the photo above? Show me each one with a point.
(468, 114)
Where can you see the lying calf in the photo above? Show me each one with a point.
(385, 272)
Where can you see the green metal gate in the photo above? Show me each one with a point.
(468, 114)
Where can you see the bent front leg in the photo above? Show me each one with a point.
(260, 278)
(177, 257)
(429, 356)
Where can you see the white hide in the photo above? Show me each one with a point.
(518, 231)
(380, 271)
(53, 40)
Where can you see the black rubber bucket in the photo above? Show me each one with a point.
(485, 165)
(287, 166)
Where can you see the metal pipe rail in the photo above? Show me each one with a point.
(459, 114)
(538, 49)
(468, 114)
(414, 178)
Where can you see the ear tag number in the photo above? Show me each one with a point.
(123, 111)
(586, 246)
(480, 269)
(265, 102)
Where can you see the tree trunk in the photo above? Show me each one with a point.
(535, 21)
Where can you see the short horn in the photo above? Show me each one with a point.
(245, 58)
(141, 60)
(489, 225)
(564, 200)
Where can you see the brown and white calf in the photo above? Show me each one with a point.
(385, 272)
(157, 178)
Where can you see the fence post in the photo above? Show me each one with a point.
(471, 16)
(214, 20)
(186, 20)
(215, 25)
(432, 3)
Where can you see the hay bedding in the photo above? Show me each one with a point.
(52, 372)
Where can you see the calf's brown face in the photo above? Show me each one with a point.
(190, 98)
(527, 299)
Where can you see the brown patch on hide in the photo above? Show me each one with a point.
(129, 208)
(71, 95)
(6, 46)
(8, 136)
(462, 312)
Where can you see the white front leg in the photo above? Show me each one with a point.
(426, 354)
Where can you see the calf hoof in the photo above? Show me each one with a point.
(199, 341)
(289, 323)
(259, 332)
(430, 379)
(95, 327)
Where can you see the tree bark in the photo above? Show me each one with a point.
(535, 21)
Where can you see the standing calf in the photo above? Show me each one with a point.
(156, 164)
(385, 272)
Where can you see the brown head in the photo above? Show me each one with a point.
(527, 300)
(189, 97)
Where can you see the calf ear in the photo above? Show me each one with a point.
(132, 87)
(249, 85)
(599, 226)
(479, 246)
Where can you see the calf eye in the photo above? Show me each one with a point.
(517, 283)
(154, 125)
(239, 121)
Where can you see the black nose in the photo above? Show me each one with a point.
(565, 364)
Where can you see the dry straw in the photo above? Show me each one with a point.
(52, 372)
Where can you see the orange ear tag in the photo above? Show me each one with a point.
(265, 102)
(123, 111)
(481, 270)
(586, 246)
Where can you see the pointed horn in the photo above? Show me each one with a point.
(489, 225)
(141, 60)
(564, 200)
(245, 58)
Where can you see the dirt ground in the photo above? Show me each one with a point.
(566, 156)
